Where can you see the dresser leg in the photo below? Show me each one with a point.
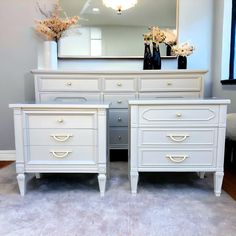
(201, 175)
(102, 184)
(37, 175)
(21, 183)
(134, 182)
(218, 180)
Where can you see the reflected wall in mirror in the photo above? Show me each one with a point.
(104, 33)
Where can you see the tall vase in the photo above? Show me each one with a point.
(156, 59)
(147, 61)
(47, 55)
(168, 50)
(182, 62)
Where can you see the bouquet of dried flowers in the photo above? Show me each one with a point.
(154, 35)
(171, 37)
(53, 26)
(184, 49)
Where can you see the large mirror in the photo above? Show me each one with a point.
(105, 33)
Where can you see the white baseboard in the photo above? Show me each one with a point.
(8, 155)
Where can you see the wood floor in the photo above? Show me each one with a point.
(5, 163)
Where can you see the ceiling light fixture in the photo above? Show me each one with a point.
(120, 5)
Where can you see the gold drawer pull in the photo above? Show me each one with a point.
(178, 137)
(178, 115)
(60, 120)
(180, 158)
(169, 83)
(119, 119)
(119, 101)
(68, 83)
(119, 84)
(60, 154)
(61, 137)
(119, 137)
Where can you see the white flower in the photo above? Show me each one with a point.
(184, 49)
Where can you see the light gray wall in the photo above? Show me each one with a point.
(219, 90)
(18, 53)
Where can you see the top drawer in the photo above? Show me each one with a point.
(183, 114)
(118, 85)
(67, 84)
(172, 84)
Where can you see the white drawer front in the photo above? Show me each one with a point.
(118, 100)
(118, 117)
(118, 136)
(119, 85)
(169, 95)
(61, 155)
(69, 97)
(172, 84)
(183, 136)
(176, 158)
(69, 84)
(78, 137)
(181, 114)
(61, 121)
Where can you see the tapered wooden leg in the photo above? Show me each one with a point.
(21, 183)
(37, 175)
(102, 184)
(218, 180)
(134, 182)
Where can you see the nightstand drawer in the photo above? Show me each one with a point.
(70, 97)
(176, 158)
(118, 100)
(61, 121)
(55, 84)
(169, 95)
(118, 117)
(184, 114)
(78, 137)
(172, 84)
(119, 136)
(62, 155)
(182, 136)
(119, 85)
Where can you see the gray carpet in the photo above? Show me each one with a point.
(166, 204)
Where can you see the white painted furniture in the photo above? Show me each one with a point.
(181, 135)
(117, 88)
(57, 138)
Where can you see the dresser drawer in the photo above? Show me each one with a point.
(184, 114)
(119, 84)
(78, 137)
(178, 137)
(172, 84)
(69, 84)
(118, 117)
(176, 158)
(70, 97)
(169, 95)
(118, 136)
(61, 121)
(118, 100)
(61, 155)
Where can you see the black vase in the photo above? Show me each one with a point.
(156, 58)
(182, 62)
(147, 61)
(168, 50)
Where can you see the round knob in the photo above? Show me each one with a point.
(119, 137)
(119, 101)
(178, 115)
(169, 83)
(69, 84)
(119, 119)
(119, 84)
(60, 120)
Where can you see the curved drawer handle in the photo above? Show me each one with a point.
(177, 137)
(61, 137)
(181, 158)
(62, 155)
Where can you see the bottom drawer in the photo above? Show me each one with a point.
(118, 136)
(61, 155)
(169, 95)
(176, 158)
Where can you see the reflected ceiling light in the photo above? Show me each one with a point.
(120, 5)
(95, 9)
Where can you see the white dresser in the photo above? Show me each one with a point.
(57, 138)
(117, 88)
(180, 135)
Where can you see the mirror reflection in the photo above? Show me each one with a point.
(108, 32)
